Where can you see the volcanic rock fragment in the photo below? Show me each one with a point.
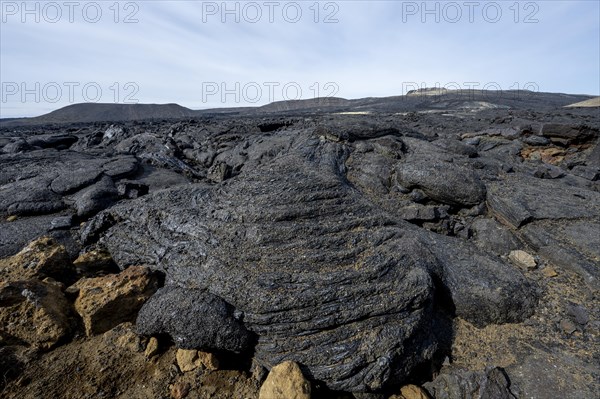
(35, 312)
(105, 302)
(41, 258)
(285, 381)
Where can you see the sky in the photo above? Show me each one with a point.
(205, 54)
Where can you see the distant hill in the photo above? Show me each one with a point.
(434, 100)
(93, 112)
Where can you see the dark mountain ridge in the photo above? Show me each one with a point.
(445, 101)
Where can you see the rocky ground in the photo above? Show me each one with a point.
(435, 253)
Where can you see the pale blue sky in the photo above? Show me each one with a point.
(183, 52)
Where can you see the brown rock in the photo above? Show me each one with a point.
(186, 359)
(105, 302)
(549, 272)
(191, 359)
(129, 340)
(550, 155)
(285, 381)
(180, 390)
(39, 259)
(523, 259)
(567, 326)
(208, 360)
(152, 347)
(123, 339)
(411, 392)
(35, 312)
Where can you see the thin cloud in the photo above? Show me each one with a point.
(171, 54)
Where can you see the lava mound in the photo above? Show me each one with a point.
(290, 260)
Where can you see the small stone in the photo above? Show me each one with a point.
(72, 292)
(180, 390)
(285, 381)
(418, 196)
(12, 218)
(151, 347)
(191, 359)
(186, 359)
(567, 326)
(208, 322)
(549, 272)
(474, 141)
(535, 156)
(131, 189)
(536, 140)
(127, 339)
(579, 314)
(219, 172)
(259, 373)
(456, 382)
(61, 222)
(523, 259)
(208, 360)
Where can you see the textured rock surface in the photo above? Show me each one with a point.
(94, 262)
(568, 244)
(41, 258)
(260, 241)
(269, 283)
(194, 319)
(492, 237)
(34, 312)
(285, 381)
(458, 384)
(104, 302)
(517, 202)
(191, 359)
(443, 182)
(550, 379)
(523, 259)
(568, 134)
